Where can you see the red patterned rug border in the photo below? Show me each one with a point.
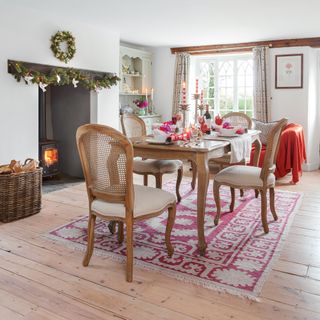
(187, 278)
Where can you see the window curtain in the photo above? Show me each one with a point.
(260, 83)
(182, 68)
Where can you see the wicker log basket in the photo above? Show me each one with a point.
(20, 194)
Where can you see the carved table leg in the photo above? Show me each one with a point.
(203, 177)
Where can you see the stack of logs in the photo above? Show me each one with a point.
(16, 167)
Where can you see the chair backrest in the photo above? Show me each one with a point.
(132, 126)
(273, 142)
(238, 119)
(107, 161)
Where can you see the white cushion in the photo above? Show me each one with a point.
(146, 200)
(264, 128)
(155, 166)
(243, 176)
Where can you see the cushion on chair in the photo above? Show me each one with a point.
(265, 128)
(243, 176)
(155, 166)
(146, 200)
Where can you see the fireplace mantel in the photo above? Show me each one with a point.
(46, 69)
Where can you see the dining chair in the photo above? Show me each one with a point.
(248, 177)
(132, 127)
(235, 119)
(107, 161)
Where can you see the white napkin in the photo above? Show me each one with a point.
(160, 135)
(240, 149)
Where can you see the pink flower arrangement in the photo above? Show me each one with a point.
(141, 103)
(166, 126)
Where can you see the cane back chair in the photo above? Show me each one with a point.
(248, 177)
(107, 161)
(235, 119)
(132, 127)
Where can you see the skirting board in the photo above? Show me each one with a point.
(310, 166)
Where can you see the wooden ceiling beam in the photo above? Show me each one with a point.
(247, 46)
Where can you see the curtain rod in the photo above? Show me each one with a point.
(234, 47)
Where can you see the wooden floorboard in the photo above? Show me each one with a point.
(41, 280)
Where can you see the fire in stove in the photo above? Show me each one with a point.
(50, 156)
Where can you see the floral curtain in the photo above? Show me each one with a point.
(181, 74)
(260, 83)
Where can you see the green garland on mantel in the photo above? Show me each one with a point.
(62, 76)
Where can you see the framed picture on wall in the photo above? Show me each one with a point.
(289, 71)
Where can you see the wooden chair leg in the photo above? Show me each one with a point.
(158, 180)
(233, 198)
(170, 223)
(112, 226)
(129, 225)
(264, 211)
(145, 180)
(241, 193)
(216, 195)
(272, 206)
(120, 232)
(179, 178)
(256, 192)
(194, 175)
(90, 241)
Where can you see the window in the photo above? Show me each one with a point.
(227, 83)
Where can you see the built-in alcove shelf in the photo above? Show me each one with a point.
(46, 69)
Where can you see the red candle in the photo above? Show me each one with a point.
(197, 85)
(201, 97)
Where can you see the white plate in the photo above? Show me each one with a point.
(154, 141)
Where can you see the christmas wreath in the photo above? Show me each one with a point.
(57, 39)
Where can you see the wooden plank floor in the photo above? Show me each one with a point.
(40, 280)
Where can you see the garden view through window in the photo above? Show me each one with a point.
(227, 83)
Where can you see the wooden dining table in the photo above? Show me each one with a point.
(198, 153)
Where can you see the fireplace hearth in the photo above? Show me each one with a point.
(62, 109)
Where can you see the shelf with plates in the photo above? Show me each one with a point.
(135, 70)
(135, 73)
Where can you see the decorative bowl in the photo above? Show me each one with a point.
(228, 132)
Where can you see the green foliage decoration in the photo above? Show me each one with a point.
(62, 76)
(57, 39)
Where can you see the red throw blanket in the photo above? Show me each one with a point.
(291, 155)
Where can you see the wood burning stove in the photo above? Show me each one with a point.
(49, 157)
(48, 149)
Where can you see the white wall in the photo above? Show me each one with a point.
(298, 105)
(27, 38)
(163, 63)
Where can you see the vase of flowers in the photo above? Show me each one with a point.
(142, 105)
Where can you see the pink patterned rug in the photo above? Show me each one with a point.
(239, 256)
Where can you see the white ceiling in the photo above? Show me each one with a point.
(191, 22)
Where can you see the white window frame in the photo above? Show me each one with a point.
(216, 59)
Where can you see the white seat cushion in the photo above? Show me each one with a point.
(146, 200)
(155, 166)
(243, 176)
